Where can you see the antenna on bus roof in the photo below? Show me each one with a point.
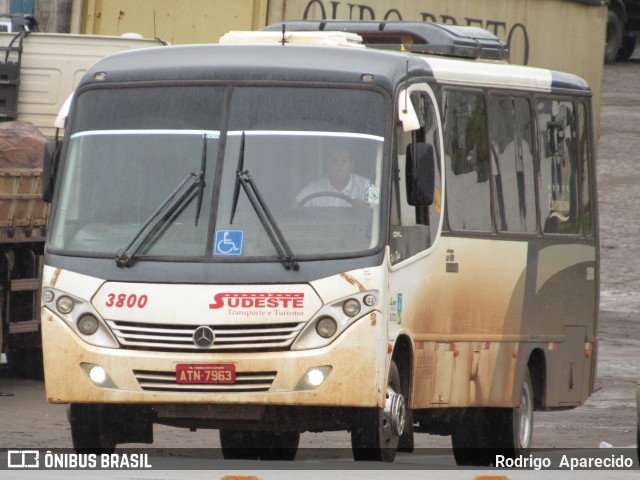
(284, 40)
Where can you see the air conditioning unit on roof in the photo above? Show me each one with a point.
(334, 38)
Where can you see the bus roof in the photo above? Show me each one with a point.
(384, 68)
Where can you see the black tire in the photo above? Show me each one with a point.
(238, 445)
(373, 438)
(484, 433)
(470, 441)
(259, 445)
(278, 445)
(90, 429)
(614, 37)
(514, 426)
(626, 48)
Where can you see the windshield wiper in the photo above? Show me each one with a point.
(201, 184)
(243, 177)
(124, 257)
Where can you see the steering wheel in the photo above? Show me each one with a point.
(339, 195)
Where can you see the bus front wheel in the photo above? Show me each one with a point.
(377, 435)
(90, 429)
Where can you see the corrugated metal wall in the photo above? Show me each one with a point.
(175, 21)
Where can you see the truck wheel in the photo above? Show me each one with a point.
(254, 445)
(614, 37)
(376, 436)
(627, 48)
(90, 429)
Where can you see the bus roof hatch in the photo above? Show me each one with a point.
(418, 37)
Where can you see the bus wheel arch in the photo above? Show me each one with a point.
(538, 370)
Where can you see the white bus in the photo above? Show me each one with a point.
(268, 239)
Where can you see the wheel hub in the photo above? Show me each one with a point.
(395, 411)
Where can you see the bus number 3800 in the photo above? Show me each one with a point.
(122, 300)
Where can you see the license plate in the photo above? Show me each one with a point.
(206, 373)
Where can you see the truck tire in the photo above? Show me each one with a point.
(614, 37)
(627, 48)
(90, 432)
(376, 435)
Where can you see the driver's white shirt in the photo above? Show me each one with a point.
(356, 188)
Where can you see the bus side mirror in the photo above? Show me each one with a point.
(420, 174)
(49, 166)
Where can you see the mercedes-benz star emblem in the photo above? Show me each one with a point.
(203, 337)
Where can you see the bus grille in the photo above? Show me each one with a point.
(228, 338)
(166, 382)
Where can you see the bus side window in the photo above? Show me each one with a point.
(558, 167)
(413, 228)
(467, 161)
(513, 169)
(585, 153)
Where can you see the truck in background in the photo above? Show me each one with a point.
(38, 72)
(623, 26)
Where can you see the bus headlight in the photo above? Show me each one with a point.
(88, 324)
(334, 318)
(313, 378)
(80, 315)
(98, 375)
(326, 327)
(351, 307)
(65, 304)
(48, 296)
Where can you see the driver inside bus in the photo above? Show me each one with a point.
(340, 187)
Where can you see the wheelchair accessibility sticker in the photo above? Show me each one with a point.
(228, 242)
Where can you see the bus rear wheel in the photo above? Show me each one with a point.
(262, 445)
(90, 430)
(484, 433)
(515, 425)
(377, 435)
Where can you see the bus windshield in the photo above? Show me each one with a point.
(315, 178)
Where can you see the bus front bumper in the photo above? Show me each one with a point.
(352, 368)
